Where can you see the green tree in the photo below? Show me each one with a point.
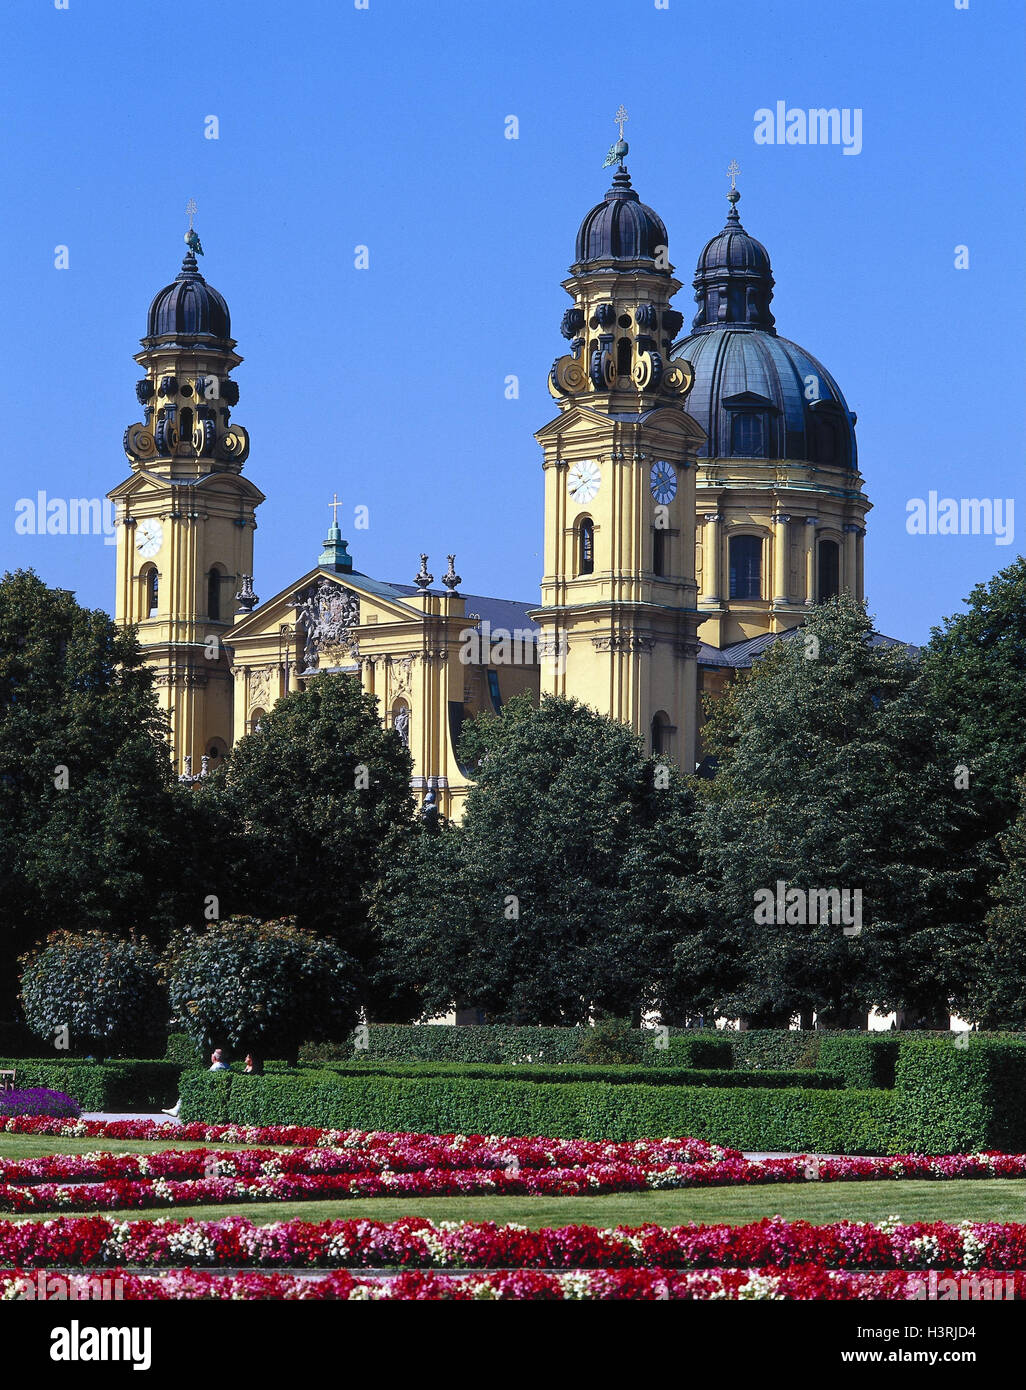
(551, 898)
(309, 803)
(260, 987)
(975, 666)
(832, 774)
(104, 991)
(87, 818)
(998, 998)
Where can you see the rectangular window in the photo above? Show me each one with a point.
(745, 567)
(748, 438)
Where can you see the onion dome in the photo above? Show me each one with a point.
(189, 312)
(733, 281)
(757, 395)
(621, 231)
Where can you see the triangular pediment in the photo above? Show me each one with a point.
(143, 481)
(666, 420)
(269, 617)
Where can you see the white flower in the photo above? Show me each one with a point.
(762, 1286)
(576, 1285)
(974, 1249)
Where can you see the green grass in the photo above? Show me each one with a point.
(38, 1145)
(981, 1199)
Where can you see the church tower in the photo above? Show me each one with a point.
(186, 514)
(781, 510)
(619, 617)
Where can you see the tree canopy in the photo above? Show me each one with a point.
(831, 774)
(551, 898)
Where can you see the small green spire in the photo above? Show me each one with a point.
(335, 555)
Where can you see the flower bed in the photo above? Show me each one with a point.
(38, 1100)
(373, 1165)
(576, 1285)
(417, 1243)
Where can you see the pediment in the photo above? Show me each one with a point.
(578, 422)
(282, 608)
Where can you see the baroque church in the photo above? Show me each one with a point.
(700, 492)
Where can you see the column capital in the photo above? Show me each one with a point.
(779, 517)
(711, 516)
(812, 521)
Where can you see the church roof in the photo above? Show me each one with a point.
(743, 655)
(505, 613)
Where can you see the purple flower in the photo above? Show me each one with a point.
(37, 1100)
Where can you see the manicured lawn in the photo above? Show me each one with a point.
(976, 1200)
(36, 1145)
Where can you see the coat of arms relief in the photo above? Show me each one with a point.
(328, 616)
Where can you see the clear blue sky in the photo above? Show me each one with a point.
(385, 127)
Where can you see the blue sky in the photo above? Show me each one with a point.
(384, 127)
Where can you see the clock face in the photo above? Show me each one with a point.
(149, 537)
(663, 482)
(583, 480)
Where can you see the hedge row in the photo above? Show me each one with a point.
(962, 1098)
(102, 1085)
(743, 1117)
(616, 1074)
(864, 1059)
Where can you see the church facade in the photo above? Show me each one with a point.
(700, 493)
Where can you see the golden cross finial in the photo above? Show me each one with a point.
(334, 504)
(190, 208)
(620, 117)
(732, 172)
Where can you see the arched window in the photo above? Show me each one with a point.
(185, 426)
(151, 591)
(586, 547)
(214, 595)
(748, 436)
(745, 567)
(256, 720)
(659, 550)
(829, 569)
(660, 733)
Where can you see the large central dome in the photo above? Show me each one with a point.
(755, 394)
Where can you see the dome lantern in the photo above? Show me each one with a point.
(733, 280)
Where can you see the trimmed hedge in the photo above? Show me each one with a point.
(864, 1060)
(962, 1099)
(757, 1049)
(743, 1117)
(182, 1050)
(102, 1085)
(616, 1074)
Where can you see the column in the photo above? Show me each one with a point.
(860, 563)
(780, 557)
(711, 546)
(811, 522)
(849, 578)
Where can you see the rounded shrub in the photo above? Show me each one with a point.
(94, 994)
(260, 987)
